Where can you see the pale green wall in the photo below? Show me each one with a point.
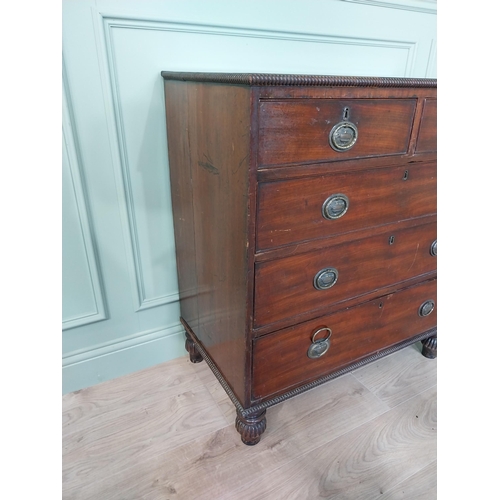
(120, 296)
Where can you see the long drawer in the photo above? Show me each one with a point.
(298, 130)
(298, 210)
(310, 281)
(281, 359)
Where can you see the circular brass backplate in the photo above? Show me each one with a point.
(426, 308)
(326, 278)
(317, 349)
(434, 248)
(343, 136)
(335, 206)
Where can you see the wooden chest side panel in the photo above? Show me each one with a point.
(181, 189)
(209, 168)
(281, 361)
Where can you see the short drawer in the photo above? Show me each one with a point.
(304, 209)
(427, 133)
(300, 130)
(281, 360)
(310, 281)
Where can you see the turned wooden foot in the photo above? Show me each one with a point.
(194, 354)
(429, 347)
(251, 427)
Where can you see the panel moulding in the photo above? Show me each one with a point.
(104, 41)
(128, 342)
(87, 230)
(134, 353)
(424, 6)
(431, 62)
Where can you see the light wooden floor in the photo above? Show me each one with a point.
(168, 433)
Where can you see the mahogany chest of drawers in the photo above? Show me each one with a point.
(305, 226)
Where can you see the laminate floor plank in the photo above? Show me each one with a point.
(294, 427)
(421, 486)
(399, 376)
(168, 433)
(223, 401)
(212, 466)
(205, 374)
(113, 397)
(362, 463)
(100, 440)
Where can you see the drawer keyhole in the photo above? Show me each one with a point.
(405, 176)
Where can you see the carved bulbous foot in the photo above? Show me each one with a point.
(194, 354)
(429, 347)
(251, 427)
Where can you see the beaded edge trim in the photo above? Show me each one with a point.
(299, 390)
(260, 79)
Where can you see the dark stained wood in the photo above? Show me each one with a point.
(414, 131)
(429, 347)
(210, 168)
(176, 101)
(252, 223)
(291, 211)
(427, 136)
(194, 354)
(281, 361)
(251, 427)
(284, 288)
(302, 171)
(297, 131)
(250, 166)
(319, 244)
(276, 80)
(344, 304)
(349, 92)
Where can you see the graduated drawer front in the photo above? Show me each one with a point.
(284, 288)
(297, 130)
(292, 211)
(427, 134)
(281, 361)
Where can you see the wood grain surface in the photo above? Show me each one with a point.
(209, 140)
(292, 211)
(367, 461)
(163, 434)
(281, 361)
(284, 287)
(298, 131)
(427, 137)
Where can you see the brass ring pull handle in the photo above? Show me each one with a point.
(434, 248)
(325, 278)
(426, 308)
(335, 206)
(343, 136)
(319, 347)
